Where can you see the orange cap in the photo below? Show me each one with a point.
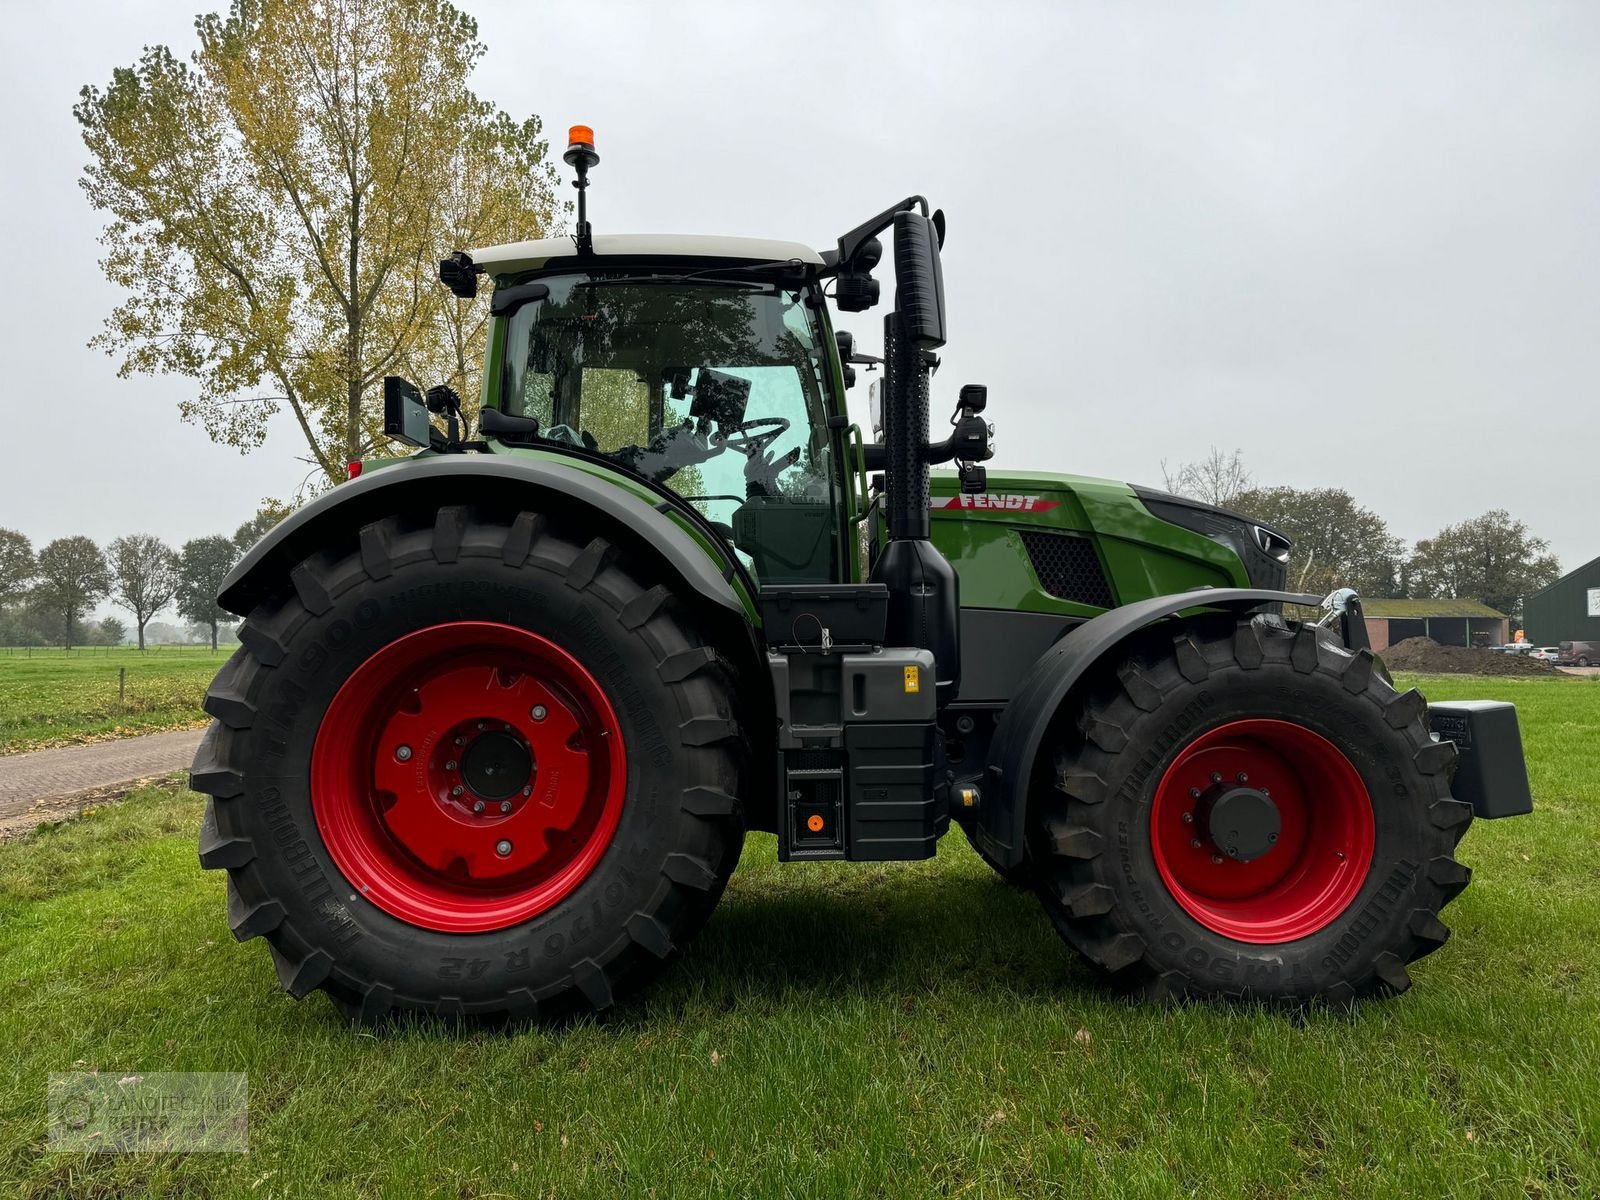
(580, 135)
(814, 823)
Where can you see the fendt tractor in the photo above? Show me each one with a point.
(505, 708)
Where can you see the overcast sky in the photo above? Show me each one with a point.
(1359, 242)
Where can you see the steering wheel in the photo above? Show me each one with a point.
(752, 444)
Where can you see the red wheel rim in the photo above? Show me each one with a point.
(468, 776)
(1317, 859)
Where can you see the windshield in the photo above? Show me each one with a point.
(714, 389)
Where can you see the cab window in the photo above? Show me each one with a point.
(715, 389)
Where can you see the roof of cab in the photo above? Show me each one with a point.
(528, 256)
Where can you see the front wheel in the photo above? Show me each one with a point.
(1249, 809)
(470, 765)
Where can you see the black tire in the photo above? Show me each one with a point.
(1090, 835)
(680, 828)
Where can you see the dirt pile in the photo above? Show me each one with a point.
(1428, 657)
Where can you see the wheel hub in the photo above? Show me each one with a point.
(496, 765)
(1262, 830)
(468, 776)
(1242, 822)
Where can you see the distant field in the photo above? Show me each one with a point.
(50, 697)
(839, 1029)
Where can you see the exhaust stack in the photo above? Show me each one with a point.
(924, 593)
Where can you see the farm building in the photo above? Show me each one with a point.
(1448, 622)
(1568, 610)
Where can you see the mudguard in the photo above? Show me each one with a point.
(425, 484)
(1033, 706)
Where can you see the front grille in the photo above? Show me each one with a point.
(1068, 567)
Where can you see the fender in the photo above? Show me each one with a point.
(1033, 707)
(425, 484)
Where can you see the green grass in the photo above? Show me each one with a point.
(839, 1029)
(51, 698)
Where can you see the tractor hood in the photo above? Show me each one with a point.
(1041, 492)
(1145, 542)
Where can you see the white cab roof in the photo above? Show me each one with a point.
(526, 256)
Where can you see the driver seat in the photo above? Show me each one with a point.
(788, 541)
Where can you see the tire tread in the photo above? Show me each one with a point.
(1069, 832)
(692, 880)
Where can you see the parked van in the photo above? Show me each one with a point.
(1578, 654)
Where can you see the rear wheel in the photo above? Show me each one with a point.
(1249, 809)
(472, 767)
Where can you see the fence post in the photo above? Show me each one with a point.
(122, 688)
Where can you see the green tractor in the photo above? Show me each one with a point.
(504, 710)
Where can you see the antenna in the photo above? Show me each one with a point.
(581, 156)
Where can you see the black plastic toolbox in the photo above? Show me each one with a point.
(823, 617)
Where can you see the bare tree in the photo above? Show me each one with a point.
(1217, 478)
(144, 572)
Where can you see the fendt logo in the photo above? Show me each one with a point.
(984, 500)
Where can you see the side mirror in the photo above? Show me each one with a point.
(405, 417)
(919, 280)
(459, 275)
(846, 341)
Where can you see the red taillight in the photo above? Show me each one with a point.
(353, 467)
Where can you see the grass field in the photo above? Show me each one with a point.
(839, 1030)
(49, 697)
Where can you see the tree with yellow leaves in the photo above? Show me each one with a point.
(277, 206)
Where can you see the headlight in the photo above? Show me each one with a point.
(1275, 544)
(1263, 551)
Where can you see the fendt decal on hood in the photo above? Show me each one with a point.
(985, 500)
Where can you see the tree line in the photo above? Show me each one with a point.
(1493, 558)
(47, 598)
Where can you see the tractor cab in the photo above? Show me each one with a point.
(703, 373)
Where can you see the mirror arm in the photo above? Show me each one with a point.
(969, 443)
(853, 241)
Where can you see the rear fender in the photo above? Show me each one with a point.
(590, 502)
(423, 485)
(1050, 684)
